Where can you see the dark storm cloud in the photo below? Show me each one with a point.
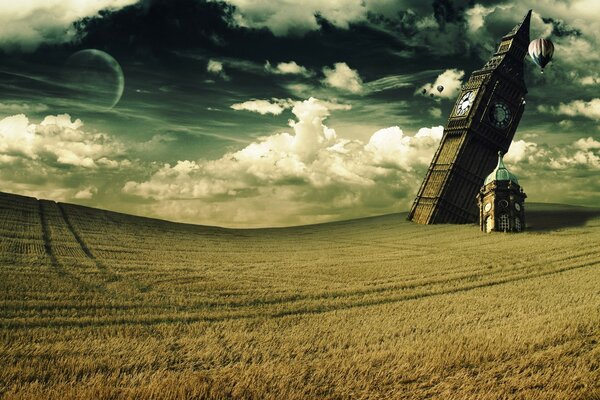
(446, 11)
(560, 28)
(153, 27)
(158, 29)
(29, 24)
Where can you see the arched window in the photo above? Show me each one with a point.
(517, 224)
(503, 224)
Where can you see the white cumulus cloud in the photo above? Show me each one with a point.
(590, 80)
(450, 80)
(275, 107)
(342, 77)
(86, 193)
(589, 109)
(58, 158)
(532, 158)
(216, 68)
(588, 143)
(56, 139)
(287, 68)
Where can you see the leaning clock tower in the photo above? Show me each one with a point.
(482, 122)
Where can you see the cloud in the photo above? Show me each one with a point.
(391, 148)
(535, 159)
(476, 15)
(86, 193)
(308, 175)
(342, 77)
(277, 106)
(451, 80)
(590, 80)
(290, 17)
(586, 144)
(12, 108)
(389, 82)
(263, 107)
(589, 109)
(27, 24)
(216, 68)
(58, 140)
(435, 112)
(287, 68)
(58, 158)
(566, 124)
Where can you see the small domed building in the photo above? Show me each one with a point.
(501, 201)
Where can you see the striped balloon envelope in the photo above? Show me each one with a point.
(541, 52)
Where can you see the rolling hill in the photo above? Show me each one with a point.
(97, 304)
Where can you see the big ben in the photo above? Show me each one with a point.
(482, 122)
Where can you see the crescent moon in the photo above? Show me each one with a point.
(94, 76)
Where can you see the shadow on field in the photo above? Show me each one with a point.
(548, 217)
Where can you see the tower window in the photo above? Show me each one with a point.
(518, 224)
(503, 224)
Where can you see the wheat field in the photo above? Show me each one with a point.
(101, 305)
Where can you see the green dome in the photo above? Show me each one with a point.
(500, 173)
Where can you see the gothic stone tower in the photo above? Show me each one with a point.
(501, 201)
(482, 122)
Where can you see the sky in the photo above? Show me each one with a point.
(253, 113)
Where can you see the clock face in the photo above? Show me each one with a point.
(517, 206)
(503, 203)
(464, 104)
(488, 207)
(500, 115)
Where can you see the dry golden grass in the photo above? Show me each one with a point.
(100, 305)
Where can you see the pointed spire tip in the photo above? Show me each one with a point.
(521, 29)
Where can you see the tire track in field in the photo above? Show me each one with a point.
(416, 296)
(54, 260)
(242, 314)
(104, 270)
(48, 241)
(480, 275)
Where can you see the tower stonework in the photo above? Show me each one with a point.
(482, 122)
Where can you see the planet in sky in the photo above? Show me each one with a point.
(94, 77)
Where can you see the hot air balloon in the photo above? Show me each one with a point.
(430, 94)
(541, 51)
(440, 88)
(424, 91)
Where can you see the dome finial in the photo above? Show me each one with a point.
(500, 173)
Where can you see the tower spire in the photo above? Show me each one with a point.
(521, 31)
